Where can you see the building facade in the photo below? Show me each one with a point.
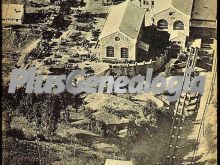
(148, 5)
(172, 21)
(118, 46)
(174, 18)
(175, 23)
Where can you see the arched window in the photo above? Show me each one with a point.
(178, 25)
(109, 51)
(124, 52)
(162, 24)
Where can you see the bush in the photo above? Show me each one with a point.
(17, 133)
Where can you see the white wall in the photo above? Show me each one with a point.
(171, 19)
(125, 41)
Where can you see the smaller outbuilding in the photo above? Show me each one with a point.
(13, 14)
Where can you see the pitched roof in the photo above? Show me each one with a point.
(14, 11)
(117, 162)
(161, 5)
(185, 8)
(126, 18)
(205, 10)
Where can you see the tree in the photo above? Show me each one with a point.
(78, 100)
(59, 22)
(96, 34)
(51, 113)
(65, 7)
(9, 105)
(42, 109)
(66, 99)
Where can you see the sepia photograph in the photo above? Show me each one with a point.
(109, 82)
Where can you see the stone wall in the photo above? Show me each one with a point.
(138, 68)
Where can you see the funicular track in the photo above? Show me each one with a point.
(170, 156)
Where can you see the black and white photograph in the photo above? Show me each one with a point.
(109, 82)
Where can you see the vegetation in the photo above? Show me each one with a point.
(42, 109)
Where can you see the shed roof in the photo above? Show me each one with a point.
(126, 18)
(14, 11)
